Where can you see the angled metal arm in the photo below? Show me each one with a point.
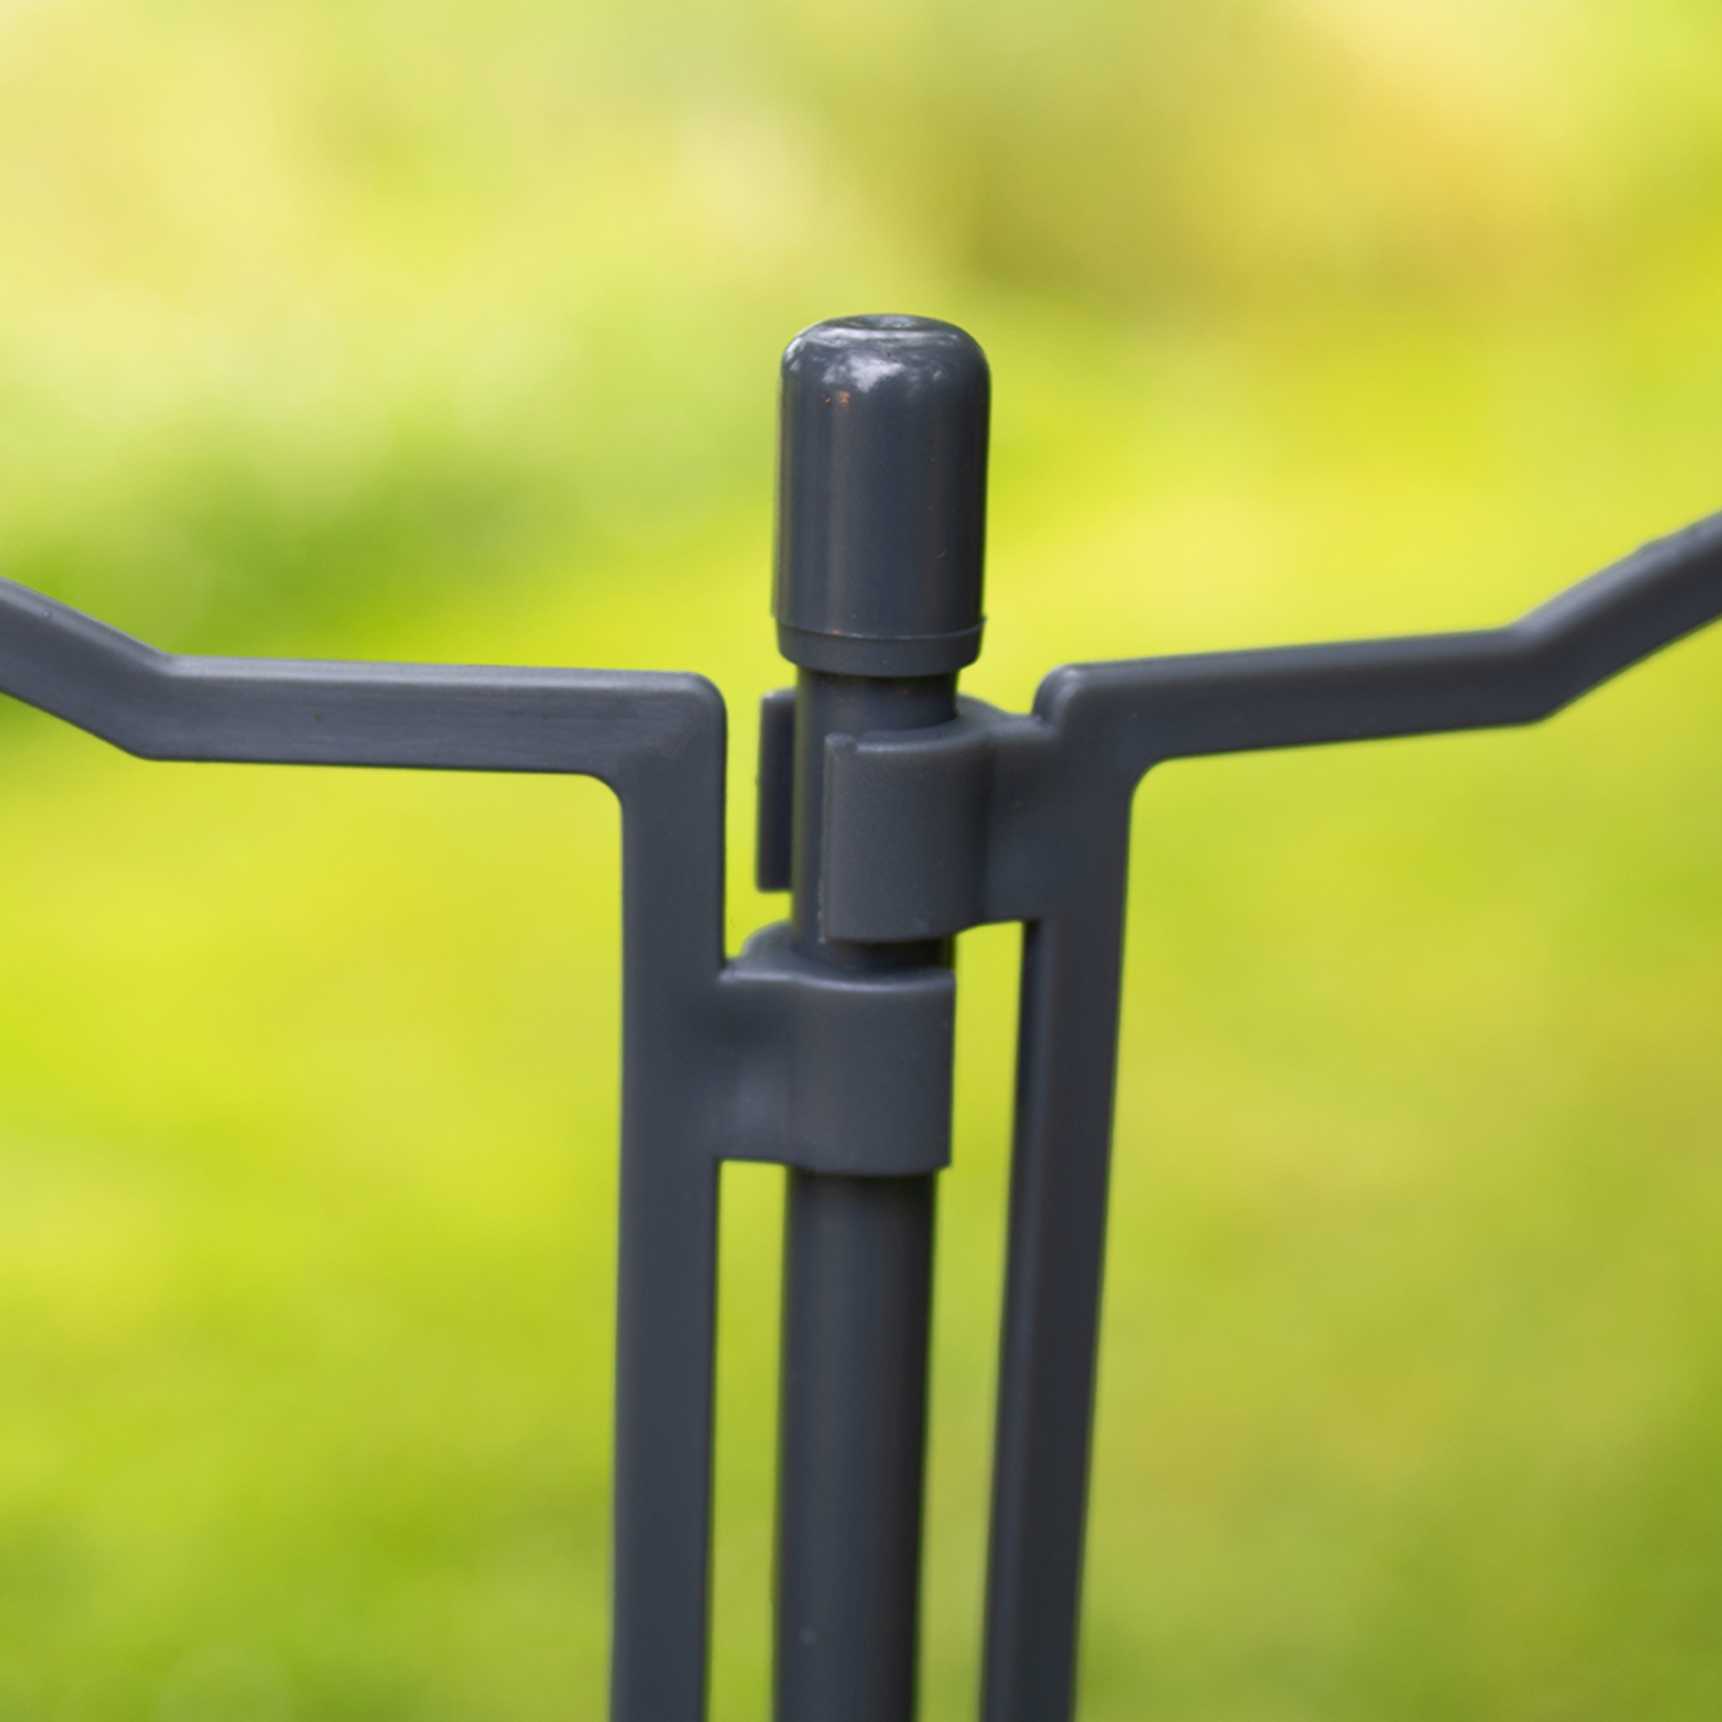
(658, 742)
(1152, 709)
(1109, 724)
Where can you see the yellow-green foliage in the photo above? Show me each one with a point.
(449, 330)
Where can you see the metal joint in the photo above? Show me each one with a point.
(831, 1071)
(930, 832)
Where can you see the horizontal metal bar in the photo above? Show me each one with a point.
(1131, 715)
(596, 723)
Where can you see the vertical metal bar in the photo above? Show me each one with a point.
(672, 845)
(1068, 1046)
(666, 1271)
(857, 1300)
(878, 603)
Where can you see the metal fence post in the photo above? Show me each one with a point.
(897, 816)
(878, 595)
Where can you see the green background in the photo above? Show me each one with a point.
(450, 331)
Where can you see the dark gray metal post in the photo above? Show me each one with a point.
(881, 494)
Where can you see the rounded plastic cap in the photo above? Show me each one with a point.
(882, 497)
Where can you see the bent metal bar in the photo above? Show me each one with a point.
(896, 814)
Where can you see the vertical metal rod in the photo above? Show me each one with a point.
(1067, 1059)
(857, 1285)
(878, 603)
(857, 1300)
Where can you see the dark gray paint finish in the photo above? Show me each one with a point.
(900, 816)
(882, 506)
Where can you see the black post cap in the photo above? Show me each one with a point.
(882, 497)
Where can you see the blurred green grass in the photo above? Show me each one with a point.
(449, 331)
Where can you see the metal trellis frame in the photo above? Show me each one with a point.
(896, 815)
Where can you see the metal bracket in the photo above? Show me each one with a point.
(832, 1071)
